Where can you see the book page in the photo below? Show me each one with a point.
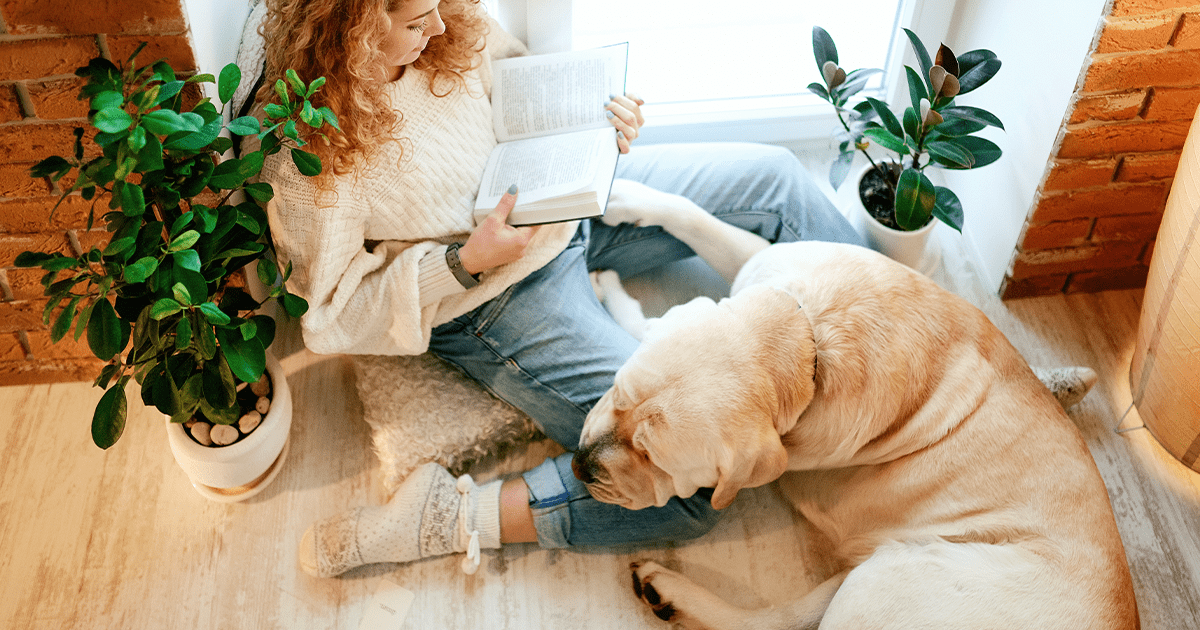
(544, 167)
(556, 93)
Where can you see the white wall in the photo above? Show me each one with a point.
(215, 29)
(1043, 46)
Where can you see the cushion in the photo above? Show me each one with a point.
(421, 409)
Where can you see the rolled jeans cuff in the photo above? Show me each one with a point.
(550, 502)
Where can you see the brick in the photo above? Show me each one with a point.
(49, 371)
(1147, 167)
(38, 17)
(40, 346)
(37, 141)
(40, 58)
(1108, 280)
(95, 238)
(10, 105)
(1036, 286)
(1113, 200)
(1057, 234)
(1170, 68)
(16, 182)
(1071, 174)
(1187, 36)
(1111, 139)
(30, 216)
(21, 315)
(1136, 227)
(1051, 262)
(26, 283)
(13, 244)
(1146, 32)
(1109, 107)
(1121, 8)
(57, 100)
(176, 49)
(1173, 104)
(11, 348)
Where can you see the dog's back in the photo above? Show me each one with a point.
(931, 453)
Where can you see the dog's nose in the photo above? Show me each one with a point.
(581, 469)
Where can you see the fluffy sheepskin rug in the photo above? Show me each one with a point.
(422, 409)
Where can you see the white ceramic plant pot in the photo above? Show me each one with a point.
(243, 469)
(910, 248)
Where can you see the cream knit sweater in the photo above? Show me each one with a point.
(370, 256)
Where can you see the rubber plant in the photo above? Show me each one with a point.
(156, 303)
(933, 130)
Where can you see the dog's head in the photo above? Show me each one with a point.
(702, 403)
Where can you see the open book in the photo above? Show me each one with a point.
(556, 144)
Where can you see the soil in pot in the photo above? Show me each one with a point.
(878, 198)
(254, 400)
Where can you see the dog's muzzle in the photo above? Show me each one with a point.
(584, 464)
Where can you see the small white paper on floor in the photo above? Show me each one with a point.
(388, 608)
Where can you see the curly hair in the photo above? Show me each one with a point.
(340, 40)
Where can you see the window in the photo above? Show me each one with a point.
(721, 70)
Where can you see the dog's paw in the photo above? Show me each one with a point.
(645, 575)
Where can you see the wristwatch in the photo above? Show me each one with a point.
(456, 268)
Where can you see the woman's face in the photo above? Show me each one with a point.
(412, 25)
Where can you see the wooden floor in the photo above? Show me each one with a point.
(118, 539)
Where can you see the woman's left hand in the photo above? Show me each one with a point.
(625, 113)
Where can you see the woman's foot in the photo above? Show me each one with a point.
(431, 514)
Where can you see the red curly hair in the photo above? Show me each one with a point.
(340, 40)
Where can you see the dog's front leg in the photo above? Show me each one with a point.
(687, 605)
(723, 246)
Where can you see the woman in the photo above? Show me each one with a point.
(374, 244)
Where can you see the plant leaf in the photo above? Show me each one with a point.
(164, 308)
(977, 67)
(915, 199)
(306, 163)
(65, 318)
(184, 241)
(246, 358)
(227, 83)
(214, 314)
(244, 126)
(823, 47)
(108, 421)
(948, 208)
(922, 54)
(951, 152)
(886, 139)
(916, 88)
(974, 114)
(165, 122)
(887, 118)
(294, 305)
(187, 259)
(112, 120)
(183, 333)
(260, 192)
(104, 331)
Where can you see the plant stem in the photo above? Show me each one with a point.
(887, 180)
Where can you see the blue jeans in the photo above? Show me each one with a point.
(549, 348)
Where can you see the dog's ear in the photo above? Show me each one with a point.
(786, 349)
(749, 464)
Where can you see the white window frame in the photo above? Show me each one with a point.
(545, 25)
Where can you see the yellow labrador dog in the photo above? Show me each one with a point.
(897, 419)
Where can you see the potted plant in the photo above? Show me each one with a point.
(157, 303)
(933, 130)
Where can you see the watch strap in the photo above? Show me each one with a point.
(452, 260)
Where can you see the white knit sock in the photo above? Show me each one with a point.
(431, 514)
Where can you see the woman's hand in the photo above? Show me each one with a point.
(625, 113)
(494, 242)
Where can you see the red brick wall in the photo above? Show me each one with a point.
(41, 44)
(1099, 206)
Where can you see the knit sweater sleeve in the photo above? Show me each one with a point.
(359, 294)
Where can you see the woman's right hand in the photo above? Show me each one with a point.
(494, 242)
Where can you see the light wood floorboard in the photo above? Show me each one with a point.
(118, 539)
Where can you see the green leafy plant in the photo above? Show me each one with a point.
(155, 302)
(934, 130)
